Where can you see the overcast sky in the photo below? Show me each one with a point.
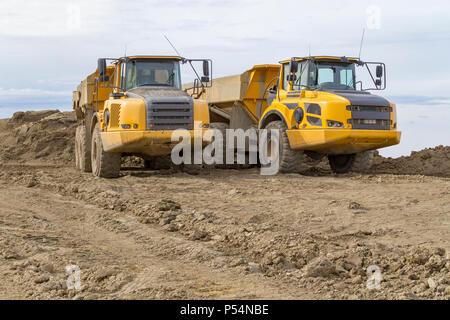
(49, 46)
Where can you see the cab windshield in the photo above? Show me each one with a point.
(138, 73)
(334, 76)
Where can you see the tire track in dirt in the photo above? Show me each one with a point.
(144, 274)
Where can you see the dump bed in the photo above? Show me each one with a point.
(247, 90)
(86, 96)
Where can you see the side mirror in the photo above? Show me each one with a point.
(102, 69)
(378, 82)
(206, 68)
(379, 71)
(293, 66)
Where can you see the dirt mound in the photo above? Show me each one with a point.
(429, 162)
(46, 135)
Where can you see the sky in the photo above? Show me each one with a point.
(49, 46)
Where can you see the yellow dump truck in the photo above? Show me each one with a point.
(131, 107)
(316, 105)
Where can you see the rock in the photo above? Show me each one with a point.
(171, 228)
(41, 279)
(357, 279)
(32, 183)
(354, 205)
(431, 283)
(253, 267)
(199, 235)
(48, 268)
(320, 267)
(355, 260)
(421, 287)
(168, 205)
(447, 291)
(164, 221)
(413, 276)
(435, 263)
(439, 252)
(418, 256)
(104, 274)
(237, 262)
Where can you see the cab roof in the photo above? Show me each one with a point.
(324, 58)
(150, 57)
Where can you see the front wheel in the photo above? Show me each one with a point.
(104, 164)
(289, 160)
(357, 162)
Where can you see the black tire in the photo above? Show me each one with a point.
(222, 127)
(290, 160)
(82, 149)
(104, 164)
(357, 162)
(158, 163)
(147, 164)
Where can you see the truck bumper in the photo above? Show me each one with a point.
(341, 141)
(152, 143)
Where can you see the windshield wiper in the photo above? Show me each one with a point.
(170, 78)
(152, 84)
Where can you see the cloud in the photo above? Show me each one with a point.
(421, 100)
(30, 93)
(53, 18)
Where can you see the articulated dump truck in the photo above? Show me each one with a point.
(132, 107)
(316, 106)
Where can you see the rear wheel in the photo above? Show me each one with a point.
(290, 160)
(82, 149)
(104, 164)
(357, 162)
(222, 127)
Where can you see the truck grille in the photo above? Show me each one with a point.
(370, 117)
(170, 115)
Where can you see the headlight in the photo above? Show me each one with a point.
(335, 124)
(314, 121)
(298, 115)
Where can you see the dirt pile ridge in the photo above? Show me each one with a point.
(49, 136)
(46, 135)
(428, 162)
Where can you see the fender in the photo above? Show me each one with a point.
(93, 122)
(264, 121)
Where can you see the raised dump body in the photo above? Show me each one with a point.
(316, 105)
(240, 100)
(90, 95)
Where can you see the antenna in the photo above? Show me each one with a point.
(309, 49)
(361, 45)
(184, 60)
(125, 54)
(172, 46)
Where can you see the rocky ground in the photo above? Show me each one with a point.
(210, 234)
